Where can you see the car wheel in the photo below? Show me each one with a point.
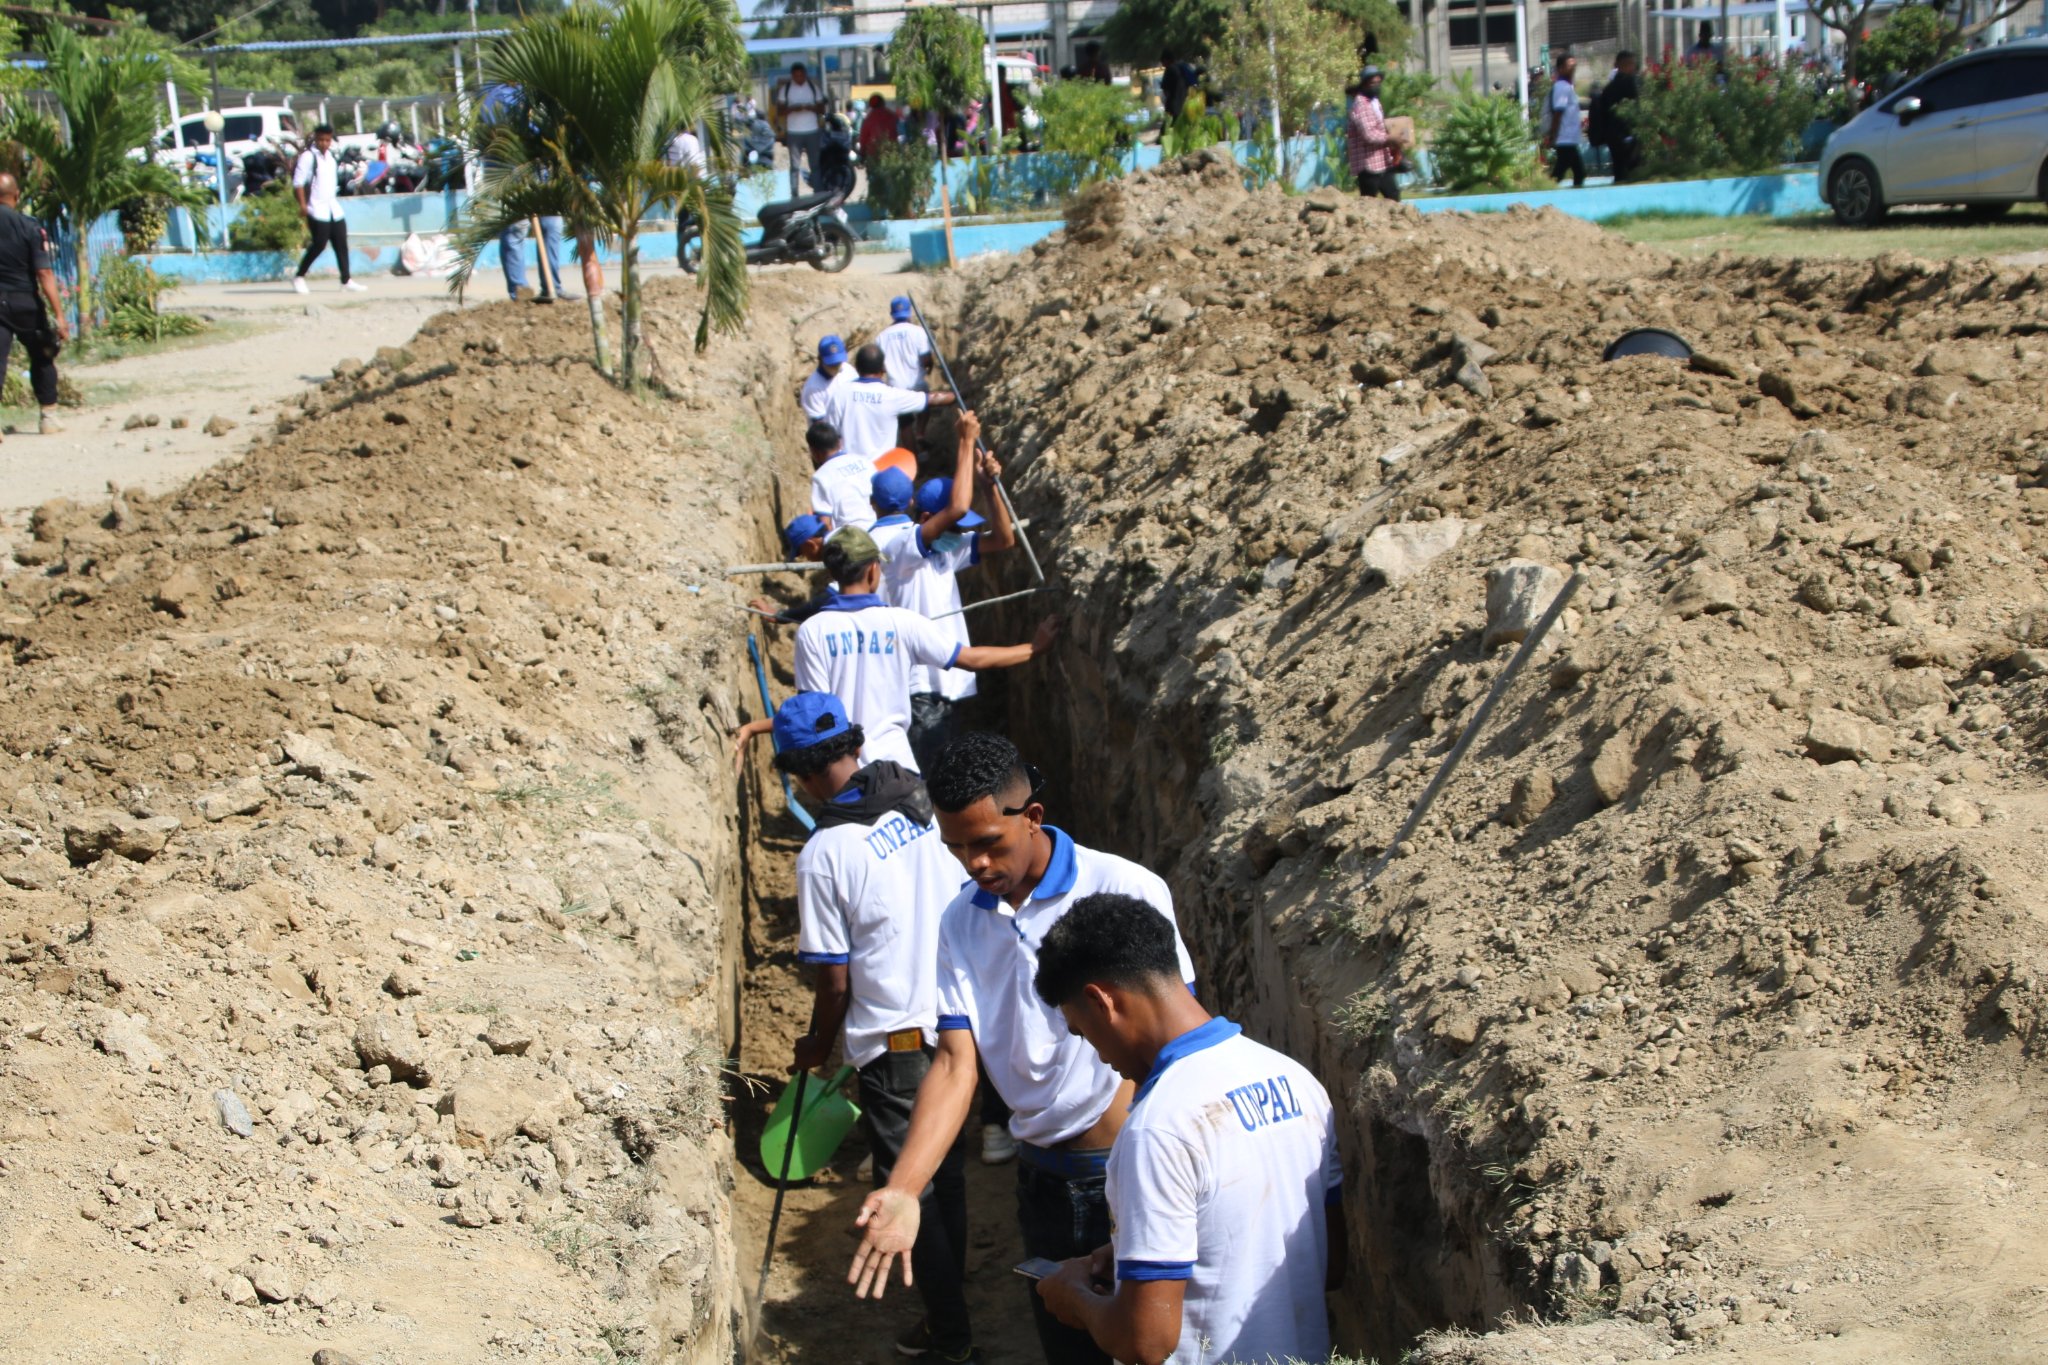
(1855, 194)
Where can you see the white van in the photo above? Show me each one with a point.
(246, 128)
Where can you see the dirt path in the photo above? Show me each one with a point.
(811, 1315)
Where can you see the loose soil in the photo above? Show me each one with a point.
(1704, 1014)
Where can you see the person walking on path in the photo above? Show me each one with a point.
(314, 182)
(871, 883)
(1564, 130)
(864, 651)
(30, 310)
(800, 104)
(1609, 127)
(927, 536)
(1067, 1106)
(1369, 149)
(831, 373)
(866, 410)
(1223, 1186)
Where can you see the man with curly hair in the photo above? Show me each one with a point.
(1066, 1104)
(871, 883)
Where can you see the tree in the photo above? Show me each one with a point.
(1285, 55)
(1848, 18)
(584, 104)
(1141, 29)
(936, 60)
(1915, 38)
(108, 92)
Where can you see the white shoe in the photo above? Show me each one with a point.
(997, 1146)
(356, 287)
(299, 285)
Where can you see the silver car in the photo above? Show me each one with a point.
(1971, 132)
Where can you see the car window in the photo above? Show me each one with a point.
(285, 124)
(195, 133)
(242, 128)
(1957, 88)
(2015, 78)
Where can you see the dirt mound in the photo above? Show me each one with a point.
(1709, 1001)
(371, 895)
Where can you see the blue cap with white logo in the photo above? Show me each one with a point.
(936, 495)
(832, 351)
(899, 308)
(809, 526)
(809, 718)
(890, 490)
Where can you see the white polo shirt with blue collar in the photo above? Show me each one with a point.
(870, 896)
(924, 579)
(866, 410)
(1223, 1176)
(864, 652)
(816, 397)
(1054, 1082)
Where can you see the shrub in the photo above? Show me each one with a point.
(130, 294)
(143, 220)
(1195, 129)
(1085, 125)
(900, 179)
(269, 221)
(1485, 143)
(1691, 121)
(1913, 39)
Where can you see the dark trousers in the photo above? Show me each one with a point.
(1569, 162)
(1624, 154)
(938, 1262)
(324, 233)
(1063, 1214)
(21, 316)
(1383, 184)
(931, 727)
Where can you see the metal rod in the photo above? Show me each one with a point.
(803, 817)
(1037, 574)
(1478, 723)
(793, 566)
(781, 1187)
(991, 601)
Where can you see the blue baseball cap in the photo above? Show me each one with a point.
(890, 490)
(899, 308)
(832, 351)
(809, 718)
(809, 526)
(936, 495)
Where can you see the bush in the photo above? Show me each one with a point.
(1085, 122)
(269, 221)
(129, 298)
(900, 179)
(1485, 143)
(1691, 121)
(143, 221)
(1914, 39)
(1195, 129)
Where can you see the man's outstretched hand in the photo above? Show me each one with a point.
(891, 1219)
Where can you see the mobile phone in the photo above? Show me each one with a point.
(1035, 1268)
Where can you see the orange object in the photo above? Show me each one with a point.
(899, 458)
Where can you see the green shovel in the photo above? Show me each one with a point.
(807, 1125)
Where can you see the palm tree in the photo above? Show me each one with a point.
(108, 91)
(586, 102)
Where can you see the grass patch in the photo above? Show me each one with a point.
(574, 798)
(1937, 233)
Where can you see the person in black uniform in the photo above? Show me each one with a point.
(30, 310)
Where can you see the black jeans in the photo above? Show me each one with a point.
(1384, 184)
(938, 1261)
(324, 233)
(21, 317)
(1569, 162)
(1062, 1216)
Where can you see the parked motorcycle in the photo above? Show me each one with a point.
(808, 230)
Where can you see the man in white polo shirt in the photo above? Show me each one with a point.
(927, 535)
(866, 410)
(906, 350)
(871, 884)
(841, 481)
(1066, 1104)
(1224, 1184)
(830, 374)
(865, 652)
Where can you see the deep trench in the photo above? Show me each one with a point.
(1423, 1252)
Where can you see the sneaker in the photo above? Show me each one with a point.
(48, 426)
(356, 287)
(917, 1344)
(997, 1146)
(299, 285)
